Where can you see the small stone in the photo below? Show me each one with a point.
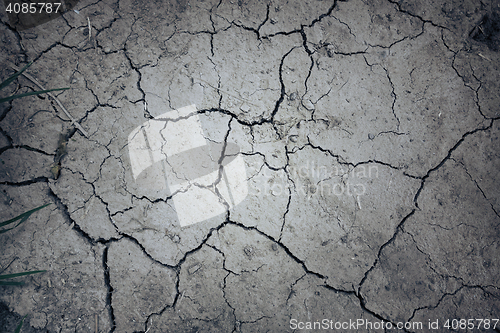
(274, 247)
(330, 50)
(176, 239)
(293, 96)
(273, 21)
(193, 269)
(249, 251)
(308, 104)
(371, 136)
(294, 138)
(245, 108)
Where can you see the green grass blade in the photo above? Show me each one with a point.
(23, 217)
(11, 283)
(23, 220)
(10, 276)
(13, 77)
(18, 328)
(6, 99)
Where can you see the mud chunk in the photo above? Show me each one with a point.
(308, 104)
(245, 108)
(249, 251)
(330, 50)
(194, 268)
(487, 31)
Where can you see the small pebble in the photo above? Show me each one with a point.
(308, 104)
(330, 51)
(248, 251)
(193, 269)
(371, 136)
(293, 96)
(245, 108)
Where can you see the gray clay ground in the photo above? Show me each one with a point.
(392, 104)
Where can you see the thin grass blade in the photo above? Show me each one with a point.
(23, 220)
(18, 328)
(6, 99)
(13, 76)
(11, 283)
(10, 276)
(23, 217)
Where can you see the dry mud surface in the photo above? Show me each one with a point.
(367, 150)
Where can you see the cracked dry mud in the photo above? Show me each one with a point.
(369, 132)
